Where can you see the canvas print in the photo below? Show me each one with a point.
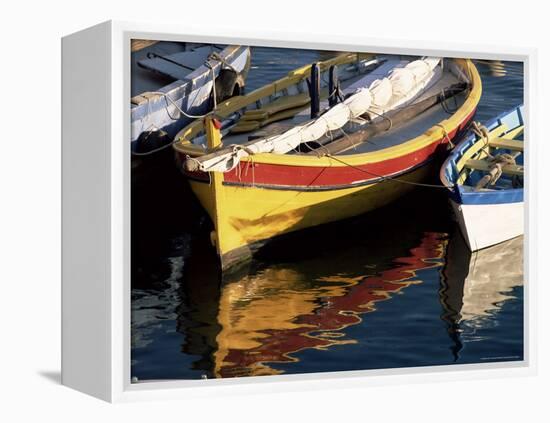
(304, 211)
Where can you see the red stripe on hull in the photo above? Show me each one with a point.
(311, 176)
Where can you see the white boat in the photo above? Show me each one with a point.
(484, 175)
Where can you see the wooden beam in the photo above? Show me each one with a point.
(507, 143)
(513, 133)
(485, 166)
(138, 45)
(478, 150)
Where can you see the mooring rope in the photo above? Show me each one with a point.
(383, 177)
(483, 133)
(213, 56)
(446, 135)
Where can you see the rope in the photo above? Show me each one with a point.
(187, 157)
(383, 116)
(216, 56)
(483, 133)
(496, 162)
(213, 56)
(178, 108)
(446, 135)
(389, 177)
(444, 105)
(495, 169)
(236, 147)
(156, 150)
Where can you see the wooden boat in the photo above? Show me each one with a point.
(256, 197)
(484, 174)
(170, 77)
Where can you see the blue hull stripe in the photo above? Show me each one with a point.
(488, 197)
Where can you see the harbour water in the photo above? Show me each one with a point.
(393, 288)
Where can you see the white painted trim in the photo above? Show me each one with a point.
(116, 331)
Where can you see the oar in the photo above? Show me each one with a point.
(388, 121)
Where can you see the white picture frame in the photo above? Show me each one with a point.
(96, 214)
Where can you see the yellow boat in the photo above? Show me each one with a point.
(266, 195)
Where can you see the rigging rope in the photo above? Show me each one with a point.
(389, 177)
(213, 56)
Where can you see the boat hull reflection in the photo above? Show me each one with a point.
(475, 286)
(268, 317)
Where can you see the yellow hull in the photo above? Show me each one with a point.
(247, 217)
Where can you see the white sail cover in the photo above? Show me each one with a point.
(400, 87)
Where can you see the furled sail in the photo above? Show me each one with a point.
(399, 88)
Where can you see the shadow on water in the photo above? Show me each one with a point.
(164, 216)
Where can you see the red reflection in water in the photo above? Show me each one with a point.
(318, 329)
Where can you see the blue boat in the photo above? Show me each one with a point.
(172, 83)
(484, 176)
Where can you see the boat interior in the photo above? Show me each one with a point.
(159, 64)
(476, 157)
(289, 107)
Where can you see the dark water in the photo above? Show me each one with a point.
(394, 288)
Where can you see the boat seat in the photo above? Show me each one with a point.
(277, 106)
(281, 108)
(252, 125)
(485, 166)
(507, 143)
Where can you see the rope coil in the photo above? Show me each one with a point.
(496, 162)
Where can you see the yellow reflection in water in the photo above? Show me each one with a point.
(284, 309)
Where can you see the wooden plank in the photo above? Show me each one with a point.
(507, 143)
(513, 133)
(252, 125)
(477, 147)
(138, 45)
(283, 103)
(485, 166)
